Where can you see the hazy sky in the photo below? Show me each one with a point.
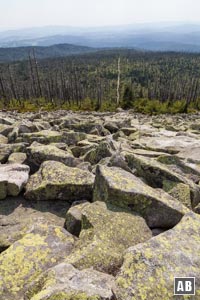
(28, 13)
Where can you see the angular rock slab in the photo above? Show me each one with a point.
(15, 225)
(27, 258)
(120, 188)
(157, 174)
(70, 283)
(7, 149)
(172, 144)
(12, 179)
(38, 153)
(54, 181)
(149, 269)
(106, 232)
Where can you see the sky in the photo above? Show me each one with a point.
(15, 14)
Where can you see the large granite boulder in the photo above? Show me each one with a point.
(40, 249)
(118, 187)
(70, 283)
(44, 137)
(157, 174)
(54, 181)
(3, 139)
(101, 151)
(17, 218)
(149, 269)
(38, 153)
(7, 149)
(13, 178)
(105, 233)
(17, 158)
(169, 144)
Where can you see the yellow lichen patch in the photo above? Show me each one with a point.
(106, 233)
(27, 258)
(149, 269)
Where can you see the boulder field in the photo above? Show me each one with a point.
(98, 206)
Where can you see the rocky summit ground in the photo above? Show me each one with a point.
(98, 206)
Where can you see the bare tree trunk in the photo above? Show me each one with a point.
(37, 73)
(12, 84)
(118, 81)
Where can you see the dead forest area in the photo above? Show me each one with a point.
(148, 82)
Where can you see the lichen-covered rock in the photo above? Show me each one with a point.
(3, 139)
(13, 178)
(156, 173)
(54, 181)
(5, 129)
(118, 187)
(65, 282)
(72, 138)
(44, 137)
(27, 258)
(190, 154)
(179, 191)
(17, 158)
(105, 233)
(149, 269)
(7, 149)
(20, 220)
(95, 155)
(38, 153)
(73, 221)
(169, 144)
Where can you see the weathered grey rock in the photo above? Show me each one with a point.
(54, 181)
(7, 120)
(7, 149)
(190, 154)
(95, 155)
(197, 209)
(105, 233)
(158, 174)
(118, 187)
(17, 157)
(74, 218)
(44, 137)
(171, 145)
(13, 178)
(70, 283)
(179, 191)
(111, 126)
(5, 129)
(3, 139)
(38, 153)
(149, 269)
(21, 221)
(13, 135)
(40, 249)
(72, 138)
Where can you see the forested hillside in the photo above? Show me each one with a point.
(22, 53)
(146, 81)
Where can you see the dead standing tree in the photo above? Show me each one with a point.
(118, 80)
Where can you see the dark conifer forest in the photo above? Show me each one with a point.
(149, 82)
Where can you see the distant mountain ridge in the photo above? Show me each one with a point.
(153, 36)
